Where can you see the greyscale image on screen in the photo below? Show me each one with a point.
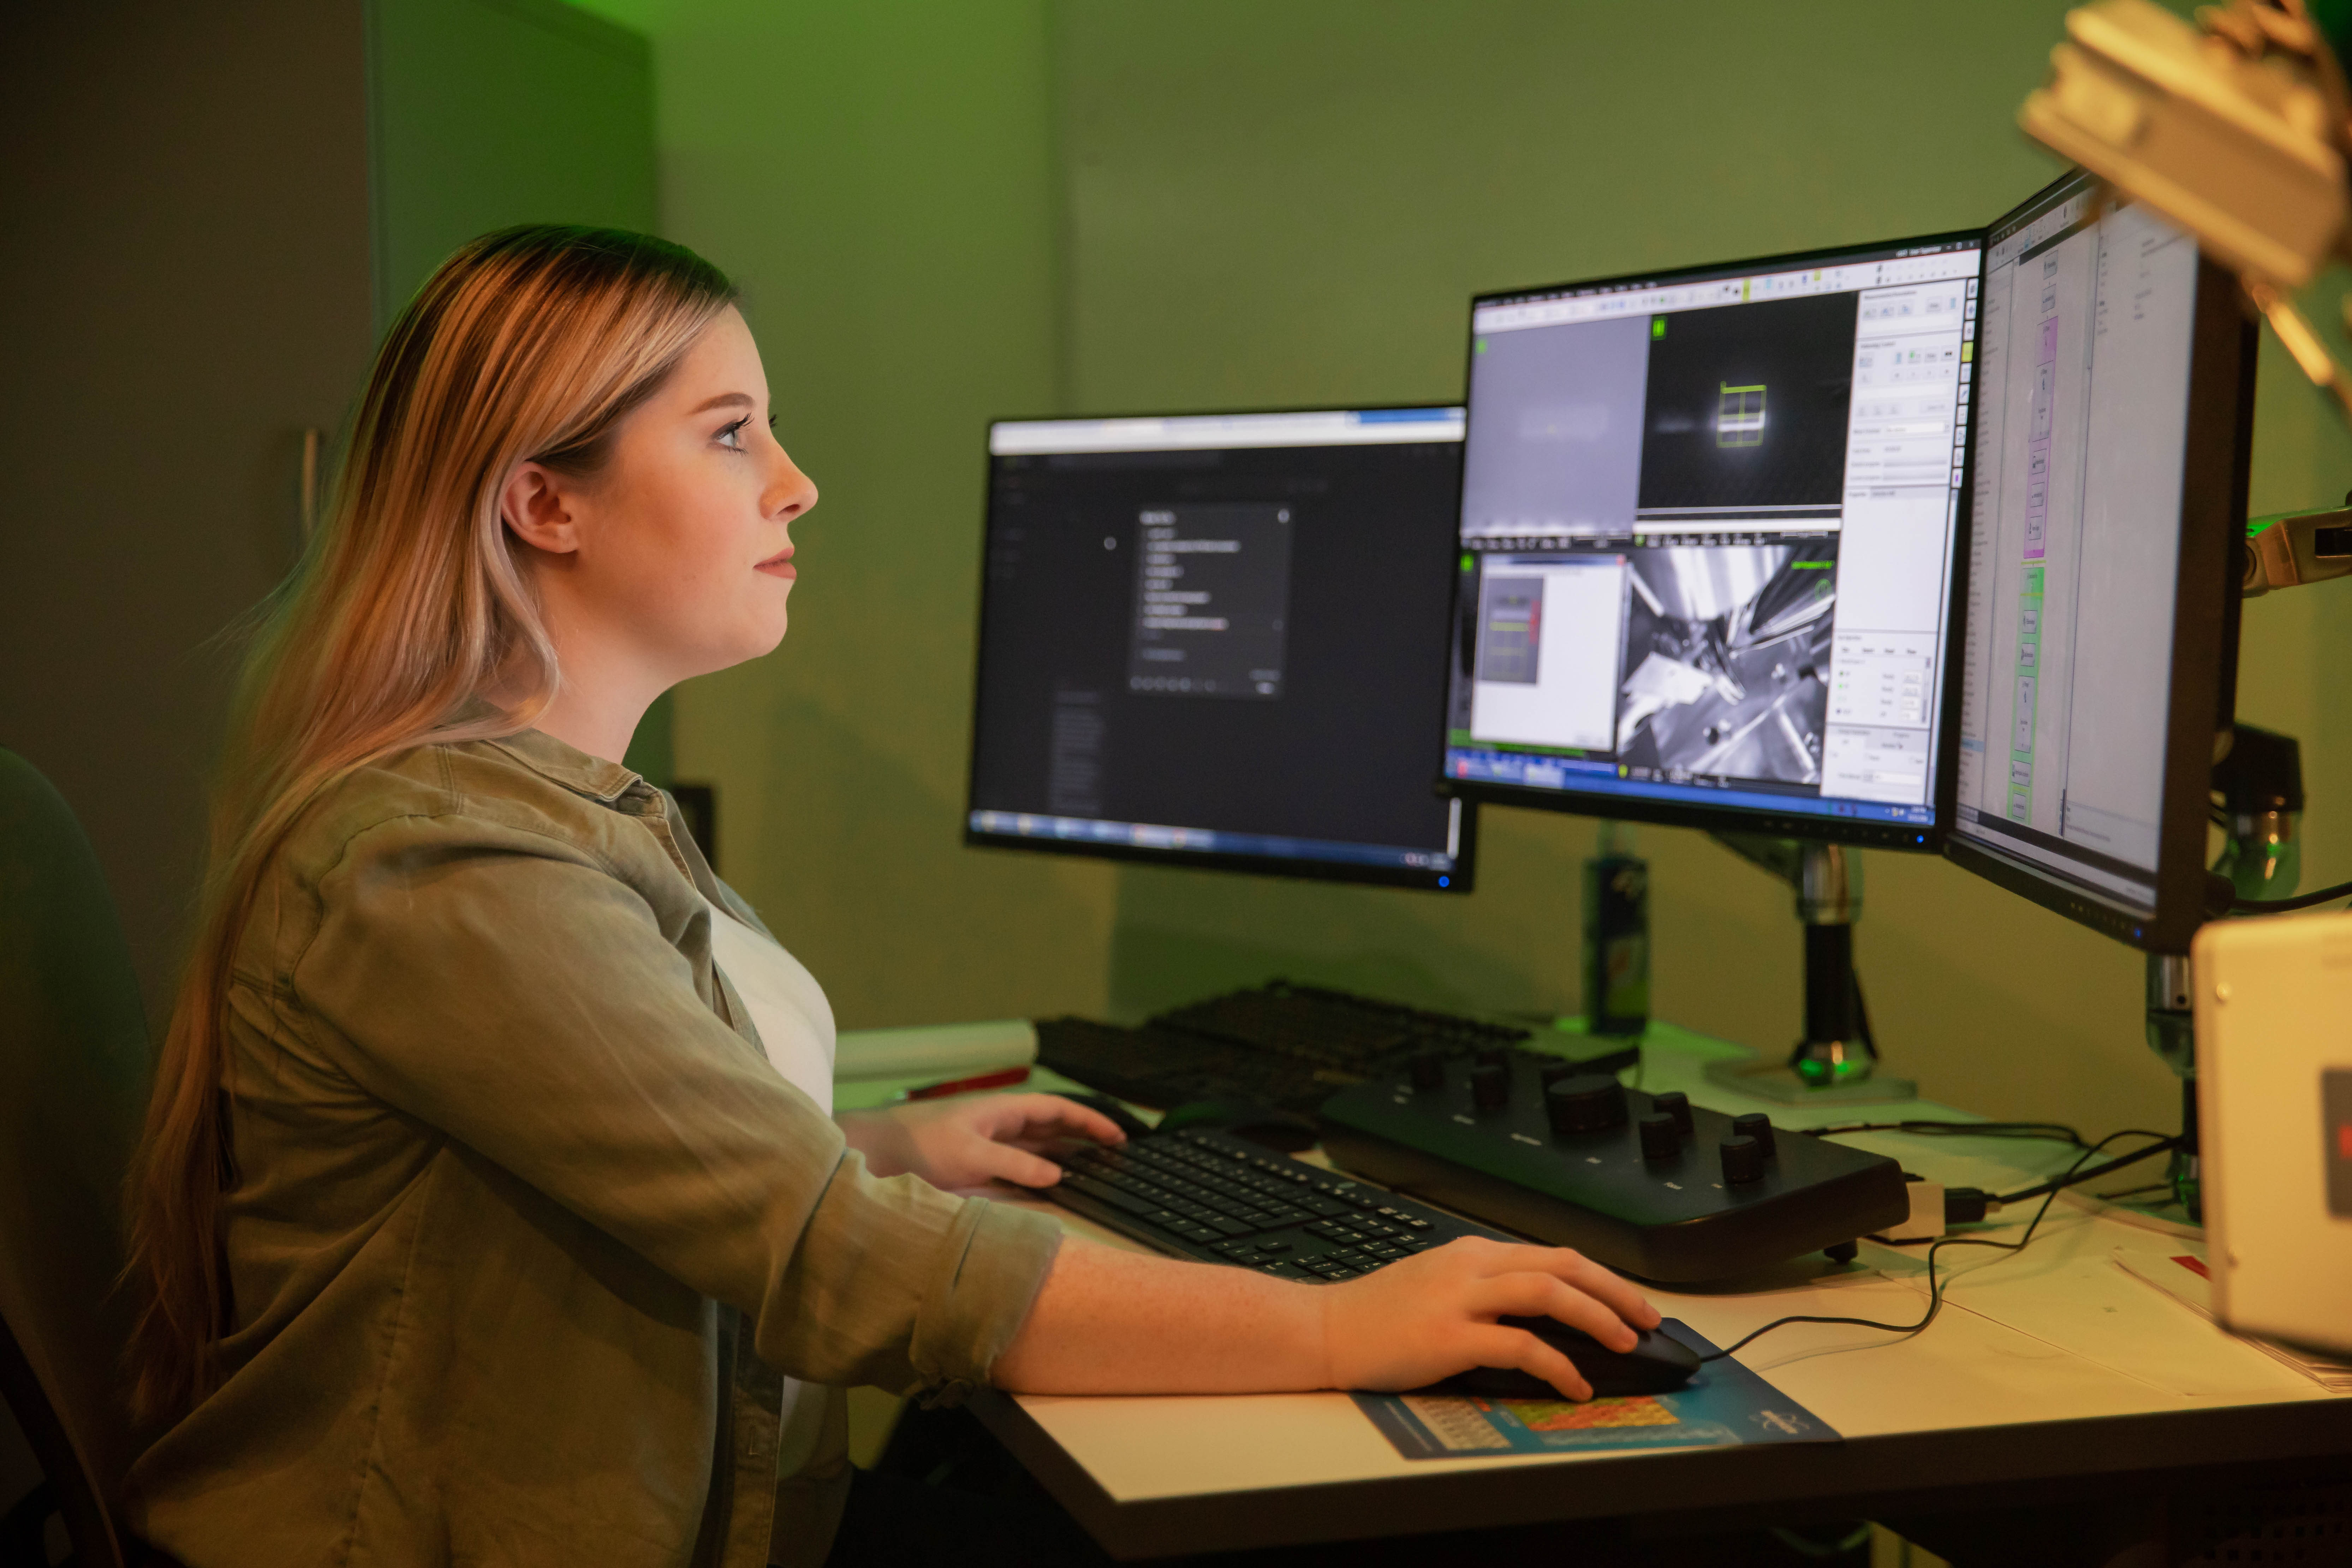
(1708, 523)
(1220, 640)
(2082, 430)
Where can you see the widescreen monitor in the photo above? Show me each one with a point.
(2114, 419)
(1218, 640)
(1708, 543)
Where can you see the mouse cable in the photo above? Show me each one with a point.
(1935, 1281)
(2057, 1131)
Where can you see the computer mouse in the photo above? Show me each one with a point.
(1252, 1121)
(1125, 1120)
(1658, 1363)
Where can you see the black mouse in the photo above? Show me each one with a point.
(1126, 1121)
(1251, 1120)
(1658, 1363)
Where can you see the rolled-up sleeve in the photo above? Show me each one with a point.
(505, 987)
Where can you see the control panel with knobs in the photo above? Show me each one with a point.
(1649, 1185)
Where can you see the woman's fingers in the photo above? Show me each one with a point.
(1016, 1166)
(1496, 1345)
(1046, 1115)
(1612, 1289)
(1542, 1296)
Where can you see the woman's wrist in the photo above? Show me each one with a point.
(881, 1138)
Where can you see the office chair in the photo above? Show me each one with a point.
(73, 1071)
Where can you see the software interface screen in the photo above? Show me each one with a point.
(1208, 634)
(2082, 430)
(1707, 530)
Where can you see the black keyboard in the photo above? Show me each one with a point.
(1212, 1196)
(1291, 1046)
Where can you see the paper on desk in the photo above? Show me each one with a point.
(2104, 1314)
(2183, 1277)
(934, 1049)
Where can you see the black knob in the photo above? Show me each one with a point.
(1676, 1104)
(1661, 1139)
(1757, 1125)
(1552, 1072)
(1493, 1056)
(1593, 1103)
(1490, 1087)
(1743, 1161)
(1428, 1070)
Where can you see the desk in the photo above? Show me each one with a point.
(2021, 1391)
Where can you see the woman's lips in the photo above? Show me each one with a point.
(778, 567)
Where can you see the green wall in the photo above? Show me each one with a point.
(949, 211)
(483, 113)
(880, 178)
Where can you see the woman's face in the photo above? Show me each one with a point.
(679, 556)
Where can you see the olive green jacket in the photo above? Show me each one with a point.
(524, 1228)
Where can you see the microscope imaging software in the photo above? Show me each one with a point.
(1707, 531)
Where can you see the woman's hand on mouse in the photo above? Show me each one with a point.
(973, 1140)
(1430, 1316)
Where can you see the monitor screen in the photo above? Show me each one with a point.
(1708, 529)
(1220, 640)
(2090, 443)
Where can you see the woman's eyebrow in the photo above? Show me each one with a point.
(724, 400)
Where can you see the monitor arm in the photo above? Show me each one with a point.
(1836, 1046)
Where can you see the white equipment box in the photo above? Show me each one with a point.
(2275, 1112)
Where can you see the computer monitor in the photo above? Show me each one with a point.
(1708, 541)
(2112, 426)
(1219, 640)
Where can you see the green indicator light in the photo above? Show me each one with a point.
(1469, 561)
(1657, 326)
(1479, 346)
(1812, 565)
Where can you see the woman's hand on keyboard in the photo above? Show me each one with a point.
(1432, 1315)
(974, 1140)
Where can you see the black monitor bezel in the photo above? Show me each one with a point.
(2217, 462)
(1911, 838)
(1461, 878)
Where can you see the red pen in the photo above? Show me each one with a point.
(1003, 1077)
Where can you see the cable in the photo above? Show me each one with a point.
(2057, 1131)
(2164, 1142)
(1935, 1283)
(2284, 906)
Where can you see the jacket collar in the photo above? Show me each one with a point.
(574, 769)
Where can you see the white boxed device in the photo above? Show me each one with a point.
(2274, 1114)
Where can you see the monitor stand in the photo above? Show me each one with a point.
(1837, 1062)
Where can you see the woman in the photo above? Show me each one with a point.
(489, 1198)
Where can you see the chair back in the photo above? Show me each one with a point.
(74, 1060)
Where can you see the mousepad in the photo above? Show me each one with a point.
(1724, 1404)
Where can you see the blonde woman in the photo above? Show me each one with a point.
(488, 1200)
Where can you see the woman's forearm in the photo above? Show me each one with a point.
(1113, 1321)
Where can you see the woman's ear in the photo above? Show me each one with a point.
(535, 509)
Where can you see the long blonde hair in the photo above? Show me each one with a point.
(410, 619)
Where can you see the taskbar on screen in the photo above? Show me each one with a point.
(1479, 764)
(1203, 840)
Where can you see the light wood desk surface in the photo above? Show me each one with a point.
(2055, 1365)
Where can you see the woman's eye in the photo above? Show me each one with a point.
(732, 435)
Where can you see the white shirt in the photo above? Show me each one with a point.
(795, 1026)
(787, 1006)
